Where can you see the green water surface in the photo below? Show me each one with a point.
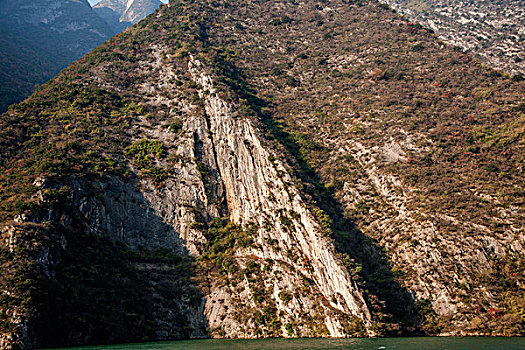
(423, 343)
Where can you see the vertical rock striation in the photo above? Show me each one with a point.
(257, 192)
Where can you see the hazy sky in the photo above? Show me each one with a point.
(93, 2)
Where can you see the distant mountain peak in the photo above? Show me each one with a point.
(138, 9)
(118, 6)
(123, 13)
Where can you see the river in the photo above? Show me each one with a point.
(418, 343)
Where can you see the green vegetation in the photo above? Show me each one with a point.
(143, 152)
(219, 264)
(175, 127)
(222, 240)
(65, 129)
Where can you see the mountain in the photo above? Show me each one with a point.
(120, 14)
(493, 30)
(38, 38)
(250, 169)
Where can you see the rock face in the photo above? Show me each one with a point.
(256, 192)
(120, 14)
(41, 37)
(205, 174)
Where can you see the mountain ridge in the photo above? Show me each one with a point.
(493, 31)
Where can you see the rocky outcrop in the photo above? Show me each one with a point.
(224, 168)
(257, 193)
(392, 154)
(256, 188)
(415, 236)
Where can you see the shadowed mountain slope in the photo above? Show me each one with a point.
(41, 37)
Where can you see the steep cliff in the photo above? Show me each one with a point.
(206, 174)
